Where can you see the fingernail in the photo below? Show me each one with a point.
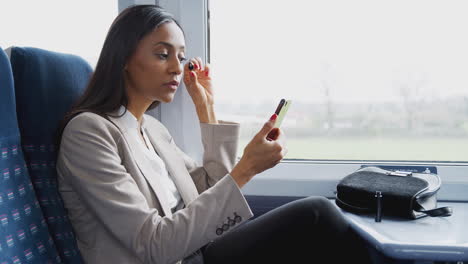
(206, 73)
(273, 117)
(192, 73)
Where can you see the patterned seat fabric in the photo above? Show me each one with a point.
(24, 234)
(46, 85)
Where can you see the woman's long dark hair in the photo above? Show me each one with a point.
(106, 89)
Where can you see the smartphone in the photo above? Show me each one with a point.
(280, 111)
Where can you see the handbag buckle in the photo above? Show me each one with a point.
(400, 173)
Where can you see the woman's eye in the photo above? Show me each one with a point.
(162, 56)
(182, 59)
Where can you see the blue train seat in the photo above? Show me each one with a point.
(46, 85)
(24, 234)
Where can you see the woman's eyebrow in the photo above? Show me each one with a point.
(169, 45)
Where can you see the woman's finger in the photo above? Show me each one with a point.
(199, 63)
(193, 76)
(191, 65)
(280, 134)
(187, 76)
(190, 78)
(207, 70)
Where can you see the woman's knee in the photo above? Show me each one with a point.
(318, 203)
(322, 210)
(309, 208)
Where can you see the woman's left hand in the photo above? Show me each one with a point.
(198, 83)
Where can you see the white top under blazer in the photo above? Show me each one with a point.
(129, 120)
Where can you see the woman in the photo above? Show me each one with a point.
(134, 197)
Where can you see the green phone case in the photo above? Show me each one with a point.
(282, 113)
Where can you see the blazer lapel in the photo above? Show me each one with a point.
(145, 167)
(175, 165)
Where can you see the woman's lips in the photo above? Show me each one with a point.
(172, 85)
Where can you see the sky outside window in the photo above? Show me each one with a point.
(378, 80)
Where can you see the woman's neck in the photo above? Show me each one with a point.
(138, 109)
(137, 104)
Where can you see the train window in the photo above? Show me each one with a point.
(369, 81)
(77, 27)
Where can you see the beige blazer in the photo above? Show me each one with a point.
(115, 200)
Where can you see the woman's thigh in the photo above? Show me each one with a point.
(311, 227)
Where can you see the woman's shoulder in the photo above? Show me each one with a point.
(89, 132)
(89, 121)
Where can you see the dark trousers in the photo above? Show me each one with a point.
(303, 231)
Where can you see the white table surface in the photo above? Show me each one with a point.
(427, 238)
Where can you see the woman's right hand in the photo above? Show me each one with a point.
(260, 154)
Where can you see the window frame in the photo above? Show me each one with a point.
(290, 177)
(180, 115)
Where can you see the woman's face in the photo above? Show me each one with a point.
(154, 71)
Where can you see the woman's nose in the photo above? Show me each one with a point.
(177, 67)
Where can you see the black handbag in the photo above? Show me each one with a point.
(391, 193)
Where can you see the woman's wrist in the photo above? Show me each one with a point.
(241, 174)
(206, 114)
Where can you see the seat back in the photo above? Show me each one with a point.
(46, 85)
(24, 234)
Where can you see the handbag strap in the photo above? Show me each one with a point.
(349, 207)
(441, 211)
(436, 212)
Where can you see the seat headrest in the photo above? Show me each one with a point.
(47, 84)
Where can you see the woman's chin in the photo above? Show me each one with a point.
(166, 99)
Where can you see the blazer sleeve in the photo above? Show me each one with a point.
(220, 143)
(90, 162)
